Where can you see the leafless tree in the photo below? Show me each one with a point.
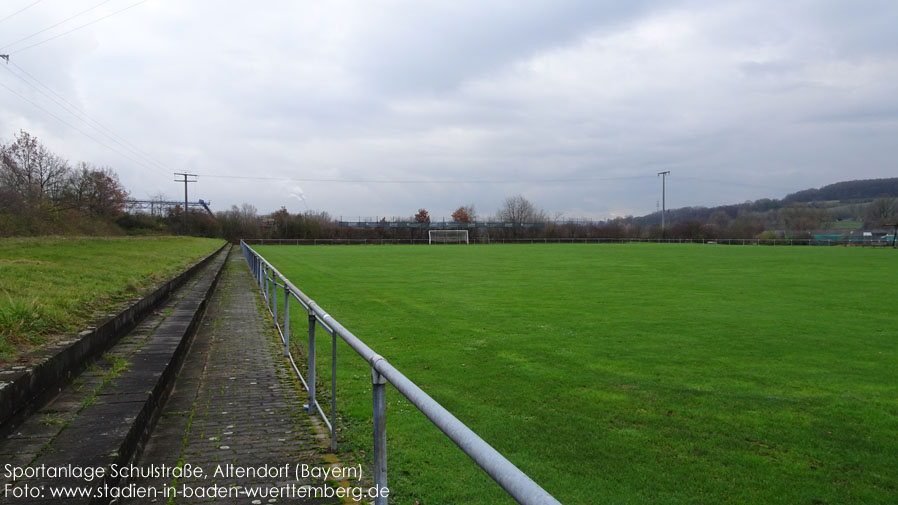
(517, 209)
(802, 218)
(30, 170)
(95, 192)
(882, 211)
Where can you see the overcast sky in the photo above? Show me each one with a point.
(574, 104)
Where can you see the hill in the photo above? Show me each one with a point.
(866, 203)
(865, 189)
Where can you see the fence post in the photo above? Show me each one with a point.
(274, 299)
(311, 372)
(379, 396)
(265, 285)
(286, 321)
(334, 391)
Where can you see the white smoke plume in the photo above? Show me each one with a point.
(297, 192)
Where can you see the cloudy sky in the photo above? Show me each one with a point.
(377, 108)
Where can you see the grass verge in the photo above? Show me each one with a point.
(58, 285)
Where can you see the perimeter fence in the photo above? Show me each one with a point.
(482, 241)
(278, 292)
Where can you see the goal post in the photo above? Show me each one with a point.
(447, 236)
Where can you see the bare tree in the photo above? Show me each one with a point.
(882, 211)
(95, 192)
(802, 218)
(240, 222)
(29, 169)
(517, 209)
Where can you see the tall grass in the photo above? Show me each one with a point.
(24, 321)
(50, 286)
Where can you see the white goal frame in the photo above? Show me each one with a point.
(447, 236)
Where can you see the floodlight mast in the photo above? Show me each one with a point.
(663, 197)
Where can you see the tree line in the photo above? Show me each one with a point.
(41, 193)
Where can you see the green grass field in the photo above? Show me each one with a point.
(613, 374)
(57, 285)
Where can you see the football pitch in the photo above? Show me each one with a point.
(637, 373)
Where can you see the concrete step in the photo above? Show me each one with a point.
(103, 416)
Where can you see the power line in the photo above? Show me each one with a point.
(421, 181)
(728, 183)
(23, 9)
(78, 27)
(35, 34)
(82, 116)
(63, 121)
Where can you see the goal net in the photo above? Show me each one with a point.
(447, 236)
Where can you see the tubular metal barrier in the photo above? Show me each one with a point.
(515, 482)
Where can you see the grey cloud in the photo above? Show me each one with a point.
(741, 100)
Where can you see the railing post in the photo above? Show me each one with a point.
(379, 395)
(334, 391)
(274, 300)
(265, 284)
(286, 321)
(311, 373)
(270, 278)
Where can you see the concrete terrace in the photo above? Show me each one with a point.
(233, 412)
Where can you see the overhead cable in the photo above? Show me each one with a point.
(35, 34)
(23, 9)
(70, 125)
(77, 27)
(425, 181)
(81, 115)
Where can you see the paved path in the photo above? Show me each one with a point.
(235, 402)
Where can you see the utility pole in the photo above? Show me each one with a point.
(663, 198)
(185, 181)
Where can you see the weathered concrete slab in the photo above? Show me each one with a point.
(24, 389)
(102, 416)
(235, 401)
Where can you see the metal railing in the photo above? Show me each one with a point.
(515, 482)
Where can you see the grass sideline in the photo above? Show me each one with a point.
(641, 373)
(54, 285)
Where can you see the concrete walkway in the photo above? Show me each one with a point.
(235, 412)
(98, 419)
(232, 429)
